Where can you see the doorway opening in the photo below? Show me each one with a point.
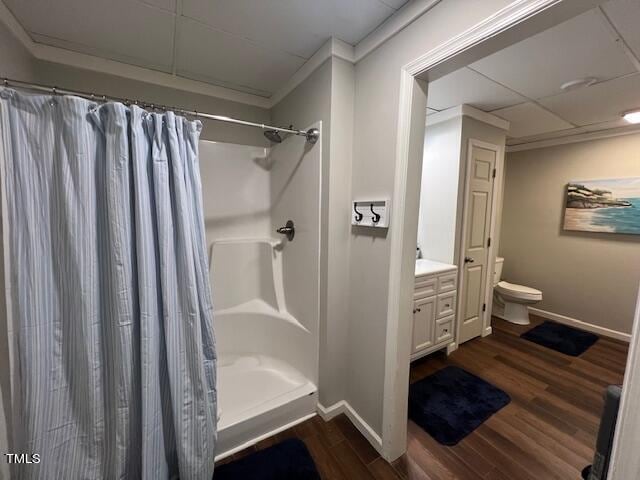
(474, 232)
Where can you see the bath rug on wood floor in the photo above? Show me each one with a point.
(287, 460)
(452, 403)
(561, 338)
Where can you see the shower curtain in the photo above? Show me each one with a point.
(113, 362)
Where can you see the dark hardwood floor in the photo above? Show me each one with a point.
(547, 431)
(337, 447)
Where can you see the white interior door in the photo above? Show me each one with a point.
(481, 172)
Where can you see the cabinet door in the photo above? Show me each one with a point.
(424, 315)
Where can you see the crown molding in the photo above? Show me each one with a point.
(576, 138)
(339, 49)
(468, 111)
(47, 53)
(404, 17)
(332, 48)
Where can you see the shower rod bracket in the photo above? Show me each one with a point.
(313, 134)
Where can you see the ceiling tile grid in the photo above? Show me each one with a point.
(530, 119)
(578, 48)
(208, 54)
(299, 27)
(599, 103)
(253, 46)
(144, 36)
(452, 90)
(624, 15)
(534, 70)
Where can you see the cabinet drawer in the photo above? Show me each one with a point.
(447, 282)
(446, 304)
(444, 329)
(424, 287)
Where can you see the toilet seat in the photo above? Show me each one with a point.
(520, 292)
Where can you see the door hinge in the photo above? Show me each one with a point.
(494, 173)
(488, 242)
(484, 307)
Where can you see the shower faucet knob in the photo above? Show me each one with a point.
(289, 230)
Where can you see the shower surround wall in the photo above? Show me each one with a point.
(265, 288)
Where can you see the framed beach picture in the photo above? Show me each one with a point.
(607, 205)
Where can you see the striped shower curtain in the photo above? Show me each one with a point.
(109, 305)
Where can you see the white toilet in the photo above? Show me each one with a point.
(510, 301)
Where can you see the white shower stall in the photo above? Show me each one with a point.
(265, 287)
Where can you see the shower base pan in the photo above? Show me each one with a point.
(259, 396)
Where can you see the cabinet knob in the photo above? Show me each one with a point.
(416, 310)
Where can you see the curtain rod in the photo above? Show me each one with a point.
(311, 135)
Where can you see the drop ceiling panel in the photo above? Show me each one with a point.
(465, 86)
(544, 136)
(208, 54)
(599, 103)
(299, 27)
(169, 5)
(539, 65)
(394, 3)
(616, 123)
(625, 15)
(529, 119)
(125, 30)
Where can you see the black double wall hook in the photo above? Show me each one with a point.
(359, 216)
(376, 216)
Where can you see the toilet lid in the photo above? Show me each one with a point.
(518, 290)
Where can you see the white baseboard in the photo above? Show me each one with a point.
(452, 347)
(574, 322)
(487, 331)
(327, 413)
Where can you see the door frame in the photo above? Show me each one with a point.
(517, 21)
(491, 253)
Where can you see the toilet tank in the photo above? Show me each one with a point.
(497, 270)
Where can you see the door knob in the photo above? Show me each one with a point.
(468, 260)
(289, 230)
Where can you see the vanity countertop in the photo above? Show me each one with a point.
(425, 266)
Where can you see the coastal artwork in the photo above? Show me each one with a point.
(608, 205)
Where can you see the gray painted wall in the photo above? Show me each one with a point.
(592, 277)
(437, 225)
(15, 60)
(375, 142)
(443, 184)
(85, 80)
(327, 95)
(339, 225)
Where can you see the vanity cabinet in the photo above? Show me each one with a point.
(434, 307)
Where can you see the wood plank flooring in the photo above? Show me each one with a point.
(547, 431)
